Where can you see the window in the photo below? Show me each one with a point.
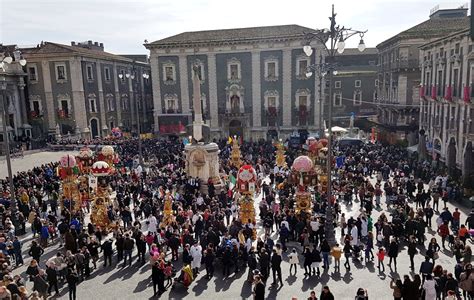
(337, 101)
(234, 71)
(376, 82)
(32, 73)
(337, 84)
(272, 101)
(169, 73)
(171, 103)
(301, 67)
(455, 83)
(107, 73)
(90, 73)
(357, 98)
(64, 107)
(111, 124)
(109, 99)
(92, 103)
(125, 102)
(271, 69)
(375, 95)
(303, 101)
(61, 72)
(357, 83)
(35, 108)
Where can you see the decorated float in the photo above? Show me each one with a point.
(247, 186)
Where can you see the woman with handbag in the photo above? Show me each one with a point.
(433, 249)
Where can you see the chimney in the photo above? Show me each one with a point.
(89, 43)
(73, 43)
(96, 44)
(102, 46)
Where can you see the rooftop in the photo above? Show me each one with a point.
(233, 35)
(435, 27)
(49, 48)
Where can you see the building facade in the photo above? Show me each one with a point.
(12, 86)
(354, 87)
(446, 109)
(253, 81)
(82, 91)
(399, 75)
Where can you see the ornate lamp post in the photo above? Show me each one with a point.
(131, 75)
(336, 37)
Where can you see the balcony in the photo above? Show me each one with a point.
(64, 114)
(171, 111)
(405, 64)
(235, 112)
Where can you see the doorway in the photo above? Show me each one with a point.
(94, 128)
(235, 129)
(451, 157)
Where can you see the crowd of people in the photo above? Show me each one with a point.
(206, 233)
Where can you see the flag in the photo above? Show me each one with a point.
(340, 161)
(229, 141)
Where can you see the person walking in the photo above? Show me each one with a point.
(381, 257)
(326, 294)
(276, 267)
(108, 252)
(325, 251)
(347, 254)
(72, 280)
(259, 288)
(308, 258)
(52, 276)
(128, 245)
(35, 251)
(412, 251)
(293, 260)
(393, 253)
(336, 253)
(396, 286)
(316, 261)
(196, 254)
(429, 287)
(209, 262)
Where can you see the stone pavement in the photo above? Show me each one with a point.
(120, 282)
(31, 160)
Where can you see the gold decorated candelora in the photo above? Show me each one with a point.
(235, 154)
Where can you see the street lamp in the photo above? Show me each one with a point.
(7, 59)
(131, 75)
(336, 36)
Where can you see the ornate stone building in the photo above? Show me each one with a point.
(253, 81)
(446, 109)
(12, 78)
(76, 90)
(399, 73)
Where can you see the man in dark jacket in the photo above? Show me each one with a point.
(276, 267)
(52, 277)
(264, 262)
(141, 247)
(426, 267)
(35, 251)
(128, 245)
(72, 280)
(108, 251)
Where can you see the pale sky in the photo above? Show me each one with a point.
(123, 25)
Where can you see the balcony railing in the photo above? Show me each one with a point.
(405, 64)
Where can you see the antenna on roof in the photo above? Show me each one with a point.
(465, 5)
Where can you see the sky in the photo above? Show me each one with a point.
(123, 25)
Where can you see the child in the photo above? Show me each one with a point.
(381, 256)
(293, 260)
(168, 270)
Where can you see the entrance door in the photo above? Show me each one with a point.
(94, 128)
(468, 172)
(235, 129)
(451, 159)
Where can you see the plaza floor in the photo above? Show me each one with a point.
(119, 282)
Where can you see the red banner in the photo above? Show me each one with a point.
(433, 92)
(172, 128)
(449, 93)
(422, 91)
(467, 94)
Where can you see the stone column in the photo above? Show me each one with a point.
(49, 98)
(256, 91)
(155, 81)
(23, 105)
(102, 107)
(287, 98)
(118, 98)
(77, 87)
(183, 83)
(213, 101)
